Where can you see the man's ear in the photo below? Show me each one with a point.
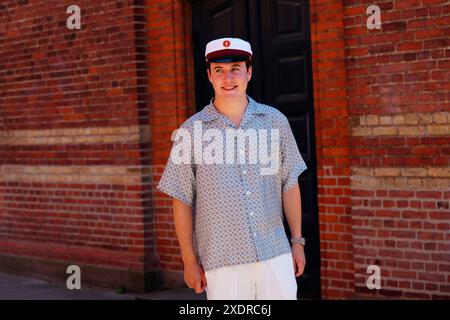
(249, 71)
(208, 72)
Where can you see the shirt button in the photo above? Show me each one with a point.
(254, 234)
(244, 172)
(252, 213)
(241, 151)
(248, 193)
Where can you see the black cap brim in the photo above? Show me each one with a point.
(227, 59)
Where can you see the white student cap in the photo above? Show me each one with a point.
(228, 50)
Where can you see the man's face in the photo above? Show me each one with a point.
(229, 79)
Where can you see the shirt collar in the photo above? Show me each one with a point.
(210, 113)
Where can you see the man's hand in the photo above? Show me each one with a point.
(298, 258)
(194, 276)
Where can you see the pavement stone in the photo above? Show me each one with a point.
(14, 287)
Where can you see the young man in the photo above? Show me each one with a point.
(228, 209)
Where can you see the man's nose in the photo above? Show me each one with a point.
(228, 75)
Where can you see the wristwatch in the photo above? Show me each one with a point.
(298, 240)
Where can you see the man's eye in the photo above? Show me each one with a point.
(235, 69)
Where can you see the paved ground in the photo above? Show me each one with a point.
(14, 287)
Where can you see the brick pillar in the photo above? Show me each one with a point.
(333, 152)
(171, 88)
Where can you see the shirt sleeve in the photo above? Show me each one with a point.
(178, 179)
(292, 163)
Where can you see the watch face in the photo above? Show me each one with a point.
(298, 240)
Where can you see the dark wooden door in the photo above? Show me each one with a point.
(278, 31)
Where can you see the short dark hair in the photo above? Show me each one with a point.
(248, 64)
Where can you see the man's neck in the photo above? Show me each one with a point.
(231, 107)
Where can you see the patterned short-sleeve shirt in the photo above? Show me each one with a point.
(236, 205)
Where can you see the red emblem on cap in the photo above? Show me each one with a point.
(226, 43)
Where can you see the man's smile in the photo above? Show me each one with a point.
(229, 88)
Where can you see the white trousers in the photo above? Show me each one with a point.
(273, 279)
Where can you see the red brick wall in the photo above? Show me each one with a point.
(74, 152)
(399, 101)
(390, 88)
